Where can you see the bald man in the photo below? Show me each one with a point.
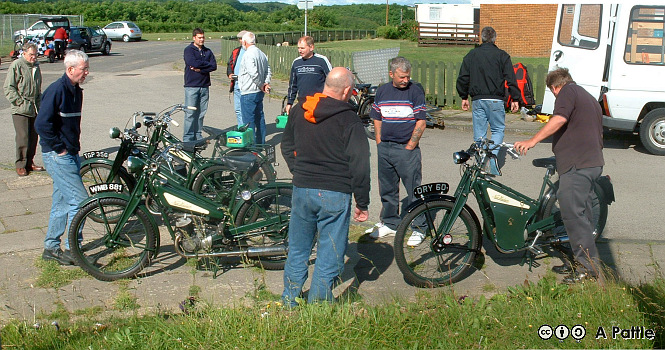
(325, 147)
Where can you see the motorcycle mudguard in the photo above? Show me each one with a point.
(126, 198)
(605, 187)
(97, 160)
(277, 185)
(446, 198)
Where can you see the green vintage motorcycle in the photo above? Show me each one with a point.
(439, 238)
(117, 236)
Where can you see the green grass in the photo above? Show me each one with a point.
(439, 320)
(52, 275)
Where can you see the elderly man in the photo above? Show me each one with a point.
(23, 88)
(399, 120)
(232, 71)
(325, 147)
(576, 128)
(308, 72)
(254, 80)
(59, 127)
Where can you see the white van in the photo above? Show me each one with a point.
(617, 53)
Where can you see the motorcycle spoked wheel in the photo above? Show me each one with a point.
(599, 209)
(96, 254)
(420, 264)
(265, 205)
(368, 124)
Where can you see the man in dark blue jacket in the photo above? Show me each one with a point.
(308, 72)
(58, 124)
(199, 62)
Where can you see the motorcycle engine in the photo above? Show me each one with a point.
(192, 234)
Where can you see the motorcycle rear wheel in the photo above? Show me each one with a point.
(363, 113)
(105, 258)
(266, 205)
(599, 208)
(420, 264)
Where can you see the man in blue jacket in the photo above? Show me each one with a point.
(308, 72)
(58, 124)
(199, 62)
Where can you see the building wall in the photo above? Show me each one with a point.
(523, 30)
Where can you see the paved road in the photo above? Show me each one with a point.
(146, 76)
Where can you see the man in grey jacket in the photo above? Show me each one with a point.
(23, 89)
(254, 80)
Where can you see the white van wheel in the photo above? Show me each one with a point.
(652, 132)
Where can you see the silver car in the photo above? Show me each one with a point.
(124, 30)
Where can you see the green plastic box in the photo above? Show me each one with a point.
(240, 139)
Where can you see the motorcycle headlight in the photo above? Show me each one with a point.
(135, 164)
(114, 133)
(460, 157)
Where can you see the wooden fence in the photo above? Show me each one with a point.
(319, 36)
(437, 77)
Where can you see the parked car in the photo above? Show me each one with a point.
(86, 39)
(123, 30)
(41, 27)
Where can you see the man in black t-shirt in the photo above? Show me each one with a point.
(577, 142)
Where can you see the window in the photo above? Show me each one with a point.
(644, 42)
(434, 13)
(579, 25)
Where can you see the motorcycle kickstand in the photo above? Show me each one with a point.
(532, 251)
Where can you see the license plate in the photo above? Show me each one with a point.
(270, 153)
(95, 154)
(429, 189)
(112, 187)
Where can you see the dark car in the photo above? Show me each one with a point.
(86, 39)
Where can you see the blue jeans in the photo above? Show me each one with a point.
(237, 103)
(68, 193)
(396, 163)
(492, 112)
(195, 97)
(312, 211)
(252, 114)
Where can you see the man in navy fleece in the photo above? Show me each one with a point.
(308, 72)
(199, 62)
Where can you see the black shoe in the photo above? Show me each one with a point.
(68, 255)
(562, 269)
(58, 255)
(577, 277)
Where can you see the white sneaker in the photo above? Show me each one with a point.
(415, 239)
(378, 224)
(380, 231)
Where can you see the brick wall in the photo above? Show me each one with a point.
(522, 30)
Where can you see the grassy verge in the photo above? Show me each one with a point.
(440, 320)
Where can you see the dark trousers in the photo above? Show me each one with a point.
(575, 191)
(26, 140)
(395, 163)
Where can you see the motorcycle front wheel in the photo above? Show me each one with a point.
(416, 258)
(271, 206)
(99, 173)
(103, 256)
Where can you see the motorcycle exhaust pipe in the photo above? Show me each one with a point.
(251, 252)
(559, 240)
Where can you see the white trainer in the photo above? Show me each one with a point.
(377, 225)
(381, 231)
(416, 238)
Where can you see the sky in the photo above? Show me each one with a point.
(349, 2)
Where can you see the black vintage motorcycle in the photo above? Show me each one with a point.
(117, 236)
